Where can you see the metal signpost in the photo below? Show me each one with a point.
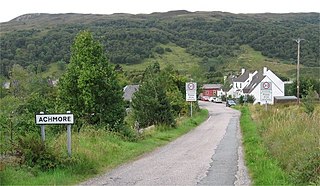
(191, 93)
(56, 119)
(266, 93)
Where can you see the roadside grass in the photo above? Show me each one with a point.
(95, 152)
(263, 169)
(292, 137)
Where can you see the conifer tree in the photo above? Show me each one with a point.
(150, 104)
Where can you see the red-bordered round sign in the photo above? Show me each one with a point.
(266, 85)
(191, 86)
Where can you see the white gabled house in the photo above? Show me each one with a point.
(240, 82)
(263, 85)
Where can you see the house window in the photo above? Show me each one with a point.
(240, 85)
(236, 85)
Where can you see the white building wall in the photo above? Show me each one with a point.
(277, 90)
(256, 94)
(277, 81)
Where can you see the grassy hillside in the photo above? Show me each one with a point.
(42, 39)
(182, 61)
(194, 67)
(254, 60)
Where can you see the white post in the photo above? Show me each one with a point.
(69, 137)
(266, 105)
(43, 133)
(191, 109)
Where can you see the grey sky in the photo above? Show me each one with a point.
(10, 9)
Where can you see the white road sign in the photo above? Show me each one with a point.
(266, 92)
(43, 119)
(191, 91)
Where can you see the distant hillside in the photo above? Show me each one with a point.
(37, 40)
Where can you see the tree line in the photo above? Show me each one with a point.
(91, 89)
(130, 41)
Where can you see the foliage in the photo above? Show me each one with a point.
(246, 99)
(90, 88)
(250, 99)
(28, 94)
(306, 84)
(94, 152)
(263, 168)
(35, 153)
(129, 39)
(241, 100)
(309, 101)
(150, 104)
(289, 131)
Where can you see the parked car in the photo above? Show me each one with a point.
(218, 100)
(211, 99)
(230, 103)
(205, 98)
(215, 99)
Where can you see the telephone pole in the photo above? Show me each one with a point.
(298, 68)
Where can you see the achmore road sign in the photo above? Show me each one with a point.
(58, 119)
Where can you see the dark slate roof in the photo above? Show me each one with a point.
(243, 77)
(211, 86)
(256, 79)
(129, 90)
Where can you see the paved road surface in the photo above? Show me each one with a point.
(209, 155)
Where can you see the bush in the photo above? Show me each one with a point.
(35, 153)
(309, 101)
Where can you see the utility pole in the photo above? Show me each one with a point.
(298, 69)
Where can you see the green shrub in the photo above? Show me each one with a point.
(309, 101)
(34, 153)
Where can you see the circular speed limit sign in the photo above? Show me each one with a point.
(266, 85)
(191, 86)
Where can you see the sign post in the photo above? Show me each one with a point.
(43, 133)
(69, 137)
(191, 93)
(56, 119)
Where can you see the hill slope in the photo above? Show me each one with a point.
(38, 40)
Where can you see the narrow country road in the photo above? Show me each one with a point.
(208, 155)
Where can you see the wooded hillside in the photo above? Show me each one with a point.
(36, 40)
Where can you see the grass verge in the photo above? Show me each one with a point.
(263, 169)
(95, 152)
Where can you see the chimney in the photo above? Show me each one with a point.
(242, 70)
(264, 70)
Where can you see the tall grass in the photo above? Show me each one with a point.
(293, 139)
(94, 152)
(264, 170)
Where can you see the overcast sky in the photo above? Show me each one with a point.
(10, 9)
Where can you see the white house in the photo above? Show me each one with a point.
(240, 82)
(263, 85)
